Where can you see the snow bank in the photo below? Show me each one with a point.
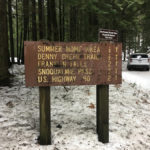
(140, 78)
(73, 121)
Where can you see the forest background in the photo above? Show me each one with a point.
(70, 20)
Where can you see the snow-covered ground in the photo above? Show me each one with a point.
(140, 78)
(73, 121)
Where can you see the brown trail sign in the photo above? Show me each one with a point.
(56, 63)
(73, 63)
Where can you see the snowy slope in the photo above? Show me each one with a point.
(19, 117)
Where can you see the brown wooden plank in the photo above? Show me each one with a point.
(72, 63)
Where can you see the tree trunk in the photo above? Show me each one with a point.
(139, 41)
(135, 46)
(123, 40)
(63, 20)
(41, 19)
(4, 54)
(73, 23)
(49, 21)
(11, 31)
(54, 21)
(21, 43)
(60, 20)
(34, 26)
(26, 22)
(17, 33)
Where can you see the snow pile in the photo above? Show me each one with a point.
(73, 120)
(17, 69)
(140, 78)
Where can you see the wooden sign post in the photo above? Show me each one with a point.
(102, 112)
(72, 63)
(45, 117)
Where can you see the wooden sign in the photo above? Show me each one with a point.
(72, 63)
(108, 35)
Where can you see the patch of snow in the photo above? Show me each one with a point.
(19, 117)
(142, 79)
